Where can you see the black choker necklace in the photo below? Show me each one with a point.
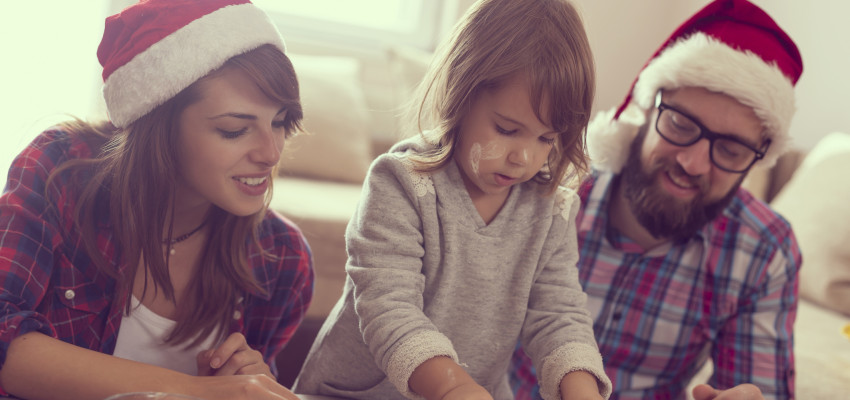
(181, 238)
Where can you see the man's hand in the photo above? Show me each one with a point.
(232, 357)
(744, 391)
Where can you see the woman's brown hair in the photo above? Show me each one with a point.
(542, 39)
(136, 172)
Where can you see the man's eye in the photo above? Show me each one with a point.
(682, 123)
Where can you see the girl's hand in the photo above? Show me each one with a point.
(580, 385)
(469, 391)
(232, 357)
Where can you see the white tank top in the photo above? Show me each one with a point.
(141, 338)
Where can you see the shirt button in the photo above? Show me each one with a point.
(69, 294)
(237, 314)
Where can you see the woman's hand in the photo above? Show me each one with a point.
(240, 387)
(232, 357)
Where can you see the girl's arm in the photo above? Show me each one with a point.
(40, 367)
(442, 378)
(579, 385)
(386, 251)
(558, 329)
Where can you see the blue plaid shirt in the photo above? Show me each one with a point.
(48, 283)
(728, 294)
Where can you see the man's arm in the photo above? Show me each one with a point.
(756, 345)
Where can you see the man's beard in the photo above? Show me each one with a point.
(662, 215)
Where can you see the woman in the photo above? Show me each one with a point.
(138, 254)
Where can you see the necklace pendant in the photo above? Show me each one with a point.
(172, 251)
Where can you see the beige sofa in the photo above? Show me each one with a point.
(350, 124)
(349, 121)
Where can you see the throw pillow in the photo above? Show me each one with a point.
(337, 144)
(814, 201)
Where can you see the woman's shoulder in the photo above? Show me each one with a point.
(280, 230)
(54, 146)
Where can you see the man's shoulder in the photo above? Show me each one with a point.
(749, 216)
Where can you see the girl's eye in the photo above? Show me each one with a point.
(547, 140)
(232, 134)
(504, 131)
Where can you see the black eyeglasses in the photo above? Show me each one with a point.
(727, 152)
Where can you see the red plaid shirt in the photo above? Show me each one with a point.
(50, 285)
(729, 294)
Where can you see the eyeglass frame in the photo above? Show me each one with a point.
(705, 133)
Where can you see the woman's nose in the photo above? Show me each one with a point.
(269, 147)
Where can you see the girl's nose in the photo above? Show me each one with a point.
(518, 155)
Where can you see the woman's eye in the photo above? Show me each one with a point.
(546, 140)
(286, 126)
(232, 134)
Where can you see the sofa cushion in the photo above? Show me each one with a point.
(321, 209)
(337, 144)
(815, 203)
(821, 353)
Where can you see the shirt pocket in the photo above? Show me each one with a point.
(79, 305)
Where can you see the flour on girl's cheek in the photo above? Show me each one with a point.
(492, 151)
(475, 157)
(477, 153)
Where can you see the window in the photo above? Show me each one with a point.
(362, 23)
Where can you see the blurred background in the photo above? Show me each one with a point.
(50, 70)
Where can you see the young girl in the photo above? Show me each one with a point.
(139, 254)
(463, 243)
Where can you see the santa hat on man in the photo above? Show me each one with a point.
(154, 49)
(731, 47)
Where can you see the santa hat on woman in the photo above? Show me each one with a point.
(154, 49)
(731, 47)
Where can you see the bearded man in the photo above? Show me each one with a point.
(681, 266)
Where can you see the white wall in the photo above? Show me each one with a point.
(54, 71)
(624, 34)
(49, 69)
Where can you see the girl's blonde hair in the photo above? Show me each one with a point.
(542, 39)
(136, 175)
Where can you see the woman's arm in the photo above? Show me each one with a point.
(40, 367)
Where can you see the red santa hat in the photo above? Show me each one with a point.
(154, 49)
(731, 47)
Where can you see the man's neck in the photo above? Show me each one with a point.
(621, 218)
